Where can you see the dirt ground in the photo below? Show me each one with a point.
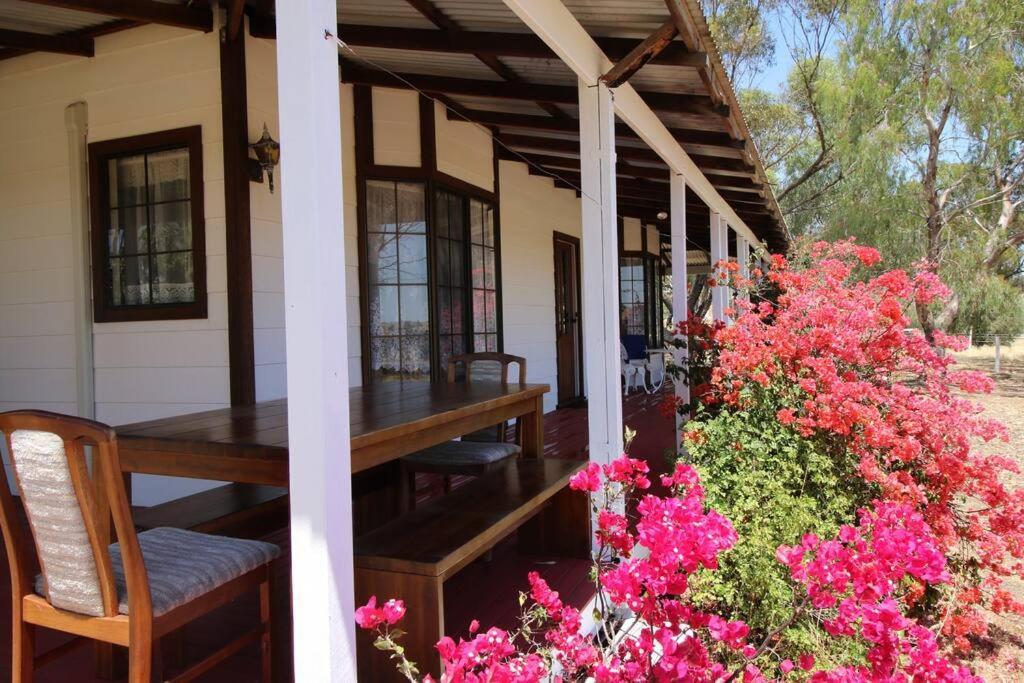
(1004, 659)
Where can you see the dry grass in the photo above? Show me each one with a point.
(1001, 659)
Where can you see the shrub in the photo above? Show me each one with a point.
(831, 360)
(857, 582)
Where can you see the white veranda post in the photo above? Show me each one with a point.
(719, 252)
(600, 271)
(316, 334)
(680, 306)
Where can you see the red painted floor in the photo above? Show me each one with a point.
(486, 590)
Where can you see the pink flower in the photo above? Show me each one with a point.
(393, 611)
(588, 479)
(368, 616)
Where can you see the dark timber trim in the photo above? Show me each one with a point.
(190, 16)
(352, 72)
(235, 123)
(90, 33)
(82, 46)
(531, 121)
(99, 207)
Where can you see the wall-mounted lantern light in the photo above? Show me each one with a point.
(268, 154)
(662, 215)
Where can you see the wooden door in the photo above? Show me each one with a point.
(568, 327)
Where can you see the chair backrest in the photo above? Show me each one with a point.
(485, 368)
(69, 511)
(635, 345)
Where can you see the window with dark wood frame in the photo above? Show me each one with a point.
(431, 277)
(148, 236)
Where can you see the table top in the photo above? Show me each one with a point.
(376, 413)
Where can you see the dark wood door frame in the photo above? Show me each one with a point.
(574, 242)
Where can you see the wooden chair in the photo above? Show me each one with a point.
(480, 451)
(130, 593)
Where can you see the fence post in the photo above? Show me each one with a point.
(997, 355)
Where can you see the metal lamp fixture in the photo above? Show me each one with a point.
(662, 215)
(268, 154)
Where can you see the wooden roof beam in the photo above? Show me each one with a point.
(453, 31)
(623, 169)
(646, 51)
(623, 152)
(689, 136)
(182, 16)
(351, 72)
(82, 46)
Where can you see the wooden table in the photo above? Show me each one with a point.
(249, 444)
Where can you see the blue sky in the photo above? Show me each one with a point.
(774, 76)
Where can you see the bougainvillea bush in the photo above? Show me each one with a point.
(821, 401)
(844, 529)
(647, 628)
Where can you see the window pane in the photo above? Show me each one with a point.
(128, 232)
(444, 262)
(488, 225)
(172, 278)
(441, 214)
(382, 258)
(412, 259)
(479, 343)
(383, 309)
(476, 222)
(129, 281)
(489, 272)
(491, 316)
(458, 265)
(172, 226)
(413, 310)
(416, 357)
(412, 214)
(478, 267)
(380, 206)
(127, 179)
(168, 175)
(479, 311)
(385, 357)
(492, 343)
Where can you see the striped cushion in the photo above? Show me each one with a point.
(50, 502)
(464, 453)
(183, 565)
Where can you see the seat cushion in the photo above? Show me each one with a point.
(464, 453)
(183, 565)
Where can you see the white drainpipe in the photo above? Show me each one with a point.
(76, 120)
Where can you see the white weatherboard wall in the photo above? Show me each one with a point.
(267, 245)
(140, 81)
(532, 210)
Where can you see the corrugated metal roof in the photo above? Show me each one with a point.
(433, 64)
(627, 18)
(16, 15)
(482, 15)
(381, 13)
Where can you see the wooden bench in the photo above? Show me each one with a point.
(241, 510)
(411, 557)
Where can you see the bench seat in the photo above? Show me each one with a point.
(411, 557)
(243, 510)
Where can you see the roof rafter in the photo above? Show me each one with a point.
(436, 16)
(82, 46)
(499, 44)
(88, 32)
(352, 72)
(690, 136)
(183, 16)
(623, 152)
(652, 46)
